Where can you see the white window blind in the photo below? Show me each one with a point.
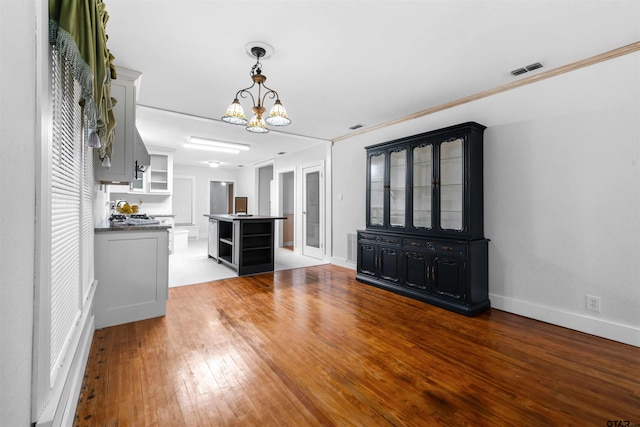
(66, 217)
(87, 220)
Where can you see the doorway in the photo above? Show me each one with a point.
(220, 197)
(313, 211)
(287, 209)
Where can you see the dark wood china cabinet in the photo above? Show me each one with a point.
(424, 234)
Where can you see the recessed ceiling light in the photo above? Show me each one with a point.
(214, 164)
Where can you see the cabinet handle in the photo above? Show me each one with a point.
(415, 244)
(447, 248)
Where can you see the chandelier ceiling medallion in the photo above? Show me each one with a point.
(277, 116)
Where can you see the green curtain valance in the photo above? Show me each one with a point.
(77, 29)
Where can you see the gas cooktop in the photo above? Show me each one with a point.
(124, 217)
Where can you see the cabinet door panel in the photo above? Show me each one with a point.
(397, 187)
(376, 188)
(390, 264)
(367, 259)
(449, 278)
(451, 185)
(422, 186)
(415, 270)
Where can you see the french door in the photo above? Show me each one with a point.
(313, 211)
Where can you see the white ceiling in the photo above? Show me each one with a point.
(339, 63)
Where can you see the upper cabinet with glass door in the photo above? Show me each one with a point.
(376, 188)
(157, 178)
(428, 184)
(387, 188)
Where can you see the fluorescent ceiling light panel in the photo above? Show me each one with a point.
(212, 143)
(210, 148)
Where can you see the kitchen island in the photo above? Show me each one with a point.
(244, 243)
(132, 270)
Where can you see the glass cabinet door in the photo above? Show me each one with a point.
(137, 184)
(376, 189)
(422, 191)
(451, 185)
(397, 187)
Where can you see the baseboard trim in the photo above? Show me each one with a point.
(602, 328)
(342, 262)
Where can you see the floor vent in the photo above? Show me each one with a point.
(352, 247)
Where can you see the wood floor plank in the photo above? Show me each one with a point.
(314, 347)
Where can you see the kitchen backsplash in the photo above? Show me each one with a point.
(149, 204)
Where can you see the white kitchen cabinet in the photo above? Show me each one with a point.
(158, 176)
(132, 270)
(122, 169)
(160, 173)
(213, 238)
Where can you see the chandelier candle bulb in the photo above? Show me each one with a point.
(277, 116)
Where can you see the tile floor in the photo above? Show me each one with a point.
(193, 265)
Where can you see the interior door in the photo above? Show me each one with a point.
(313, 212)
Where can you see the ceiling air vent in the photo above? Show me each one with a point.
(354, 127)
(533, 66)
(526, 69)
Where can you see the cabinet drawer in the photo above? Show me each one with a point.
(379, 238)
(419, 244)
(389, 240)
(451, 248)
(366, 237)
(436, 246)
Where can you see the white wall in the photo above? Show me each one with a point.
(17, 188)
(246, 187)
(562, 195)
(265, 176)
(203, 175)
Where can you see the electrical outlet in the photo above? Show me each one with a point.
(593, 303)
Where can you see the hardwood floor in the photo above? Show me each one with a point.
(313, 347)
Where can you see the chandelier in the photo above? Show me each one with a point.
(277, 116)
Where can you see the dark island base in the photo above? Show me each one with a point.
(244, 243)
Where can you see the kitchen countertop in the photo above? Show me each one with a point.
(107, 226)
